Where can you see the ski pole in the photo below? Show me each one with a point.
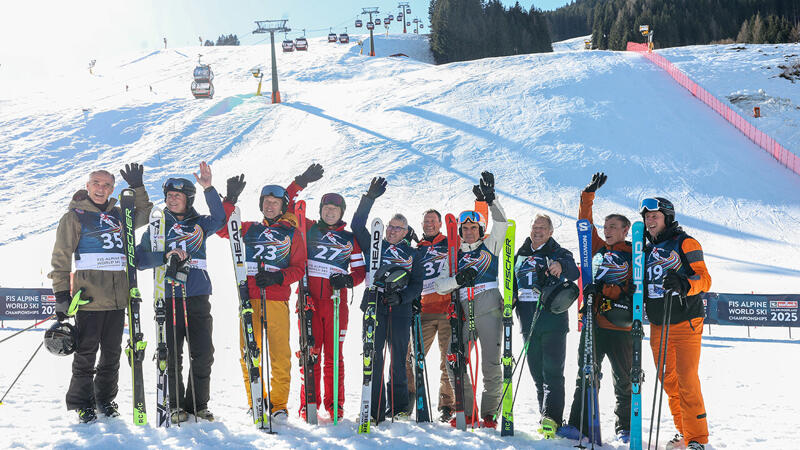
(521, 360)
(658, 378)
(26, 329)
(175, 356)
(391, 362)
(189, 345)
(664, 362)
(20, 372)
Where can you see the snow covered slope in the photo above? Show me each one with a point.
(542, 123)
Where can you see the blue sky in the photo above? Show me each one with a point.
(72, 32)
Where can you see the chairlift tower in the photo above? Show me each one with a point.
(370, 11)
(271, 26)
(405, 9)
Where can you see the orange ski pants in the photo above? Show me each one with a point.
(681, 381)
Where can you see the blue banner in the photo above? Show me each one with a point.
(754, 310)
(26, 304)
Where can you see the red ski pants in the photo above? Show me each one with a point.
(322, 326)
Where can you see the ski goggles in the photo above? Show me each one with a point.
(333, 199)
(654, 204)
(175, 184)
(273, 190)
(471, 217)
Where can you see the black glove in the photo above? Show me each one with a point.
(132, 174)
(313, 173)
(341, 281)
(376, 188)
(235, 187)
(177, 271)
(593, 289)
(392, 299)
(674, 281)
(598, 179)
(411, 236)
(466, 277)
(487, 187)
(265, 279)
(478, 193)
(62, 305)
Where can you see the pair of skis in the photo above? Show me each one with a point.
(370, 323)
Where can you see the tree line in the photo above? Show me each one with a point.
(229, 39)
(463, 30)
(612, 23)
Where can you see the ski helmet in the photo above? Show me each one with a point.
(273, 190)
(659, 204)
(183, 186)
(334, 199)
(472, 217)
(618, 313)
(391, 278)
(61, 339)
(557, 296)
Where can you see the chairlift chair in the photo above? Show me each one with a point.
(358, 23)
(370, 26)
(288, 45)
(301, 44)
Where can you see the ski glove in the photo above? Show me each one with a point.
(177, 271)
(376, 188)
(265, 279)
(392, 299)
(466, 277)
(235, 187)
(593, 289)
(411, 236)
(487, 187)
(677, 282)
(62, 305)
(598, 179)
(341, 281)
(313, 173)
(132, 174)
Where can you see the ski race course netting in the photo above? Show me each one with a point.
(763, 140)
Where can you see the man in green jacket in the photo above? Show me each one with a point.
(91, 232)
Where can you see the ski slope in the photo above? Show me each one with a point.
(542, 123)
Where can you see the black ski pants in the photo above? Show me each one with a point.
(201, 351)
(618, 346)
(92, 386)
(546, 355)
(393, 331)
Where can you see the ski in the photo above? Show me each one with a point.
(158, 244)
(370, 324)
(421, 401)
(456, 357)
(305, 313)
(136, 343)
(507, 416)
(252, 354)
(589, 359)
(337, 299)
(637, 332)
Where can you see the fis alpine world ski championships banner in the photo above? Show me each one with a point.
(26, 304)
(753, 309)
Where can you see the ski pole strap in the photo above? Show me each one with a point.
(77, 302)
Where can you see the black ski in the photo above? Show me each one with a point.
(136, 344)
(421, 401)
(456, 358)
(306, 313)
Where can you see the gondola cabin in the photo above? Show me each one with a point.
(301, 44)
(359, 23)
(344, 38)
(288, 45)
(370, 26)
(332, 38)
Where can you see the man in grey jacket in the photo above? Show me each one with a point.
(478, 262)
(91, 232)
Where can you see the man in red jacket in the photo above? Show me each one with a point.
(331, 252)
(275, 244)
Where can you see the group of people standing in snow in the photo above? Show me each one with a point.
(336, 258)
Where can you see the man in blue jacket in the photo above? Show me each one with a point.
(393, 308)
(186, 234)
(541, 261)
